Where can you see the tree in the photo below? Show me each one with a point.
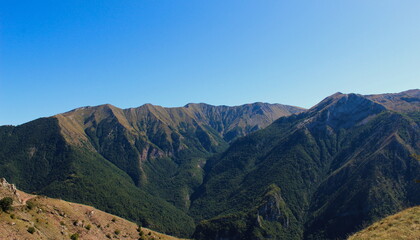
(6, 204)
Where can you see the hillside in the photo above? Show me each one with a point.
(404, 225)
(343, 163)
(39, 217)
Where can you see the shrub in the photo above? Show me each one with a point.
(88, 227)
(117, 232)
(6, 204)
(75, 236)
(30, 205)
(31, 230)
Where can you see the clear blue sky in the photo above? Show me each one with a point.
(60, 55)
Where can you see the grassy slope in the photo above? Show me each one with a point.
(404, 225)
(58, 219)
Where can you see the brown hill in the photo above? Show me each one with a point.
(49, 218)
(404, 225)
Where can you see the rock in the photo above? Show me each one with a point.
(3, 182)
(90, 213)
(77, 223)
(10, 187)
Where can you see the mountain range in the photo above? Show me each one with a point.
(255, 171)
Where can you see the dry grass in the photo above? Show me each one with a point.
(58, 219)
(403, 225)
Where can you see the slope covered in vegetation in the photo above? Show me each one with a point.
(131, 162)
(340, 165)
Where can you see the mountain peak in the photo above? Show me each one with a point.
(343, 110)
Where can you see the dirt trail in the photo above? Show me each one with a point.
(24, 200)
(24, 197)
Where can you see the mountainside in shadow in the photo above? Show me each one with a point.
(321, 174)
(131, 162)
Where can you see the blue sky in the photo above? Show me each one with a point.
(60, 55)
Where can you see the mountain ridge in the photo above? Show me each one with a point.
(255, 171)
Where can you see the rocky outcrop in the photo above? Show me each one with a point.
(5, 184)
(273, 209)
(9, 190)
